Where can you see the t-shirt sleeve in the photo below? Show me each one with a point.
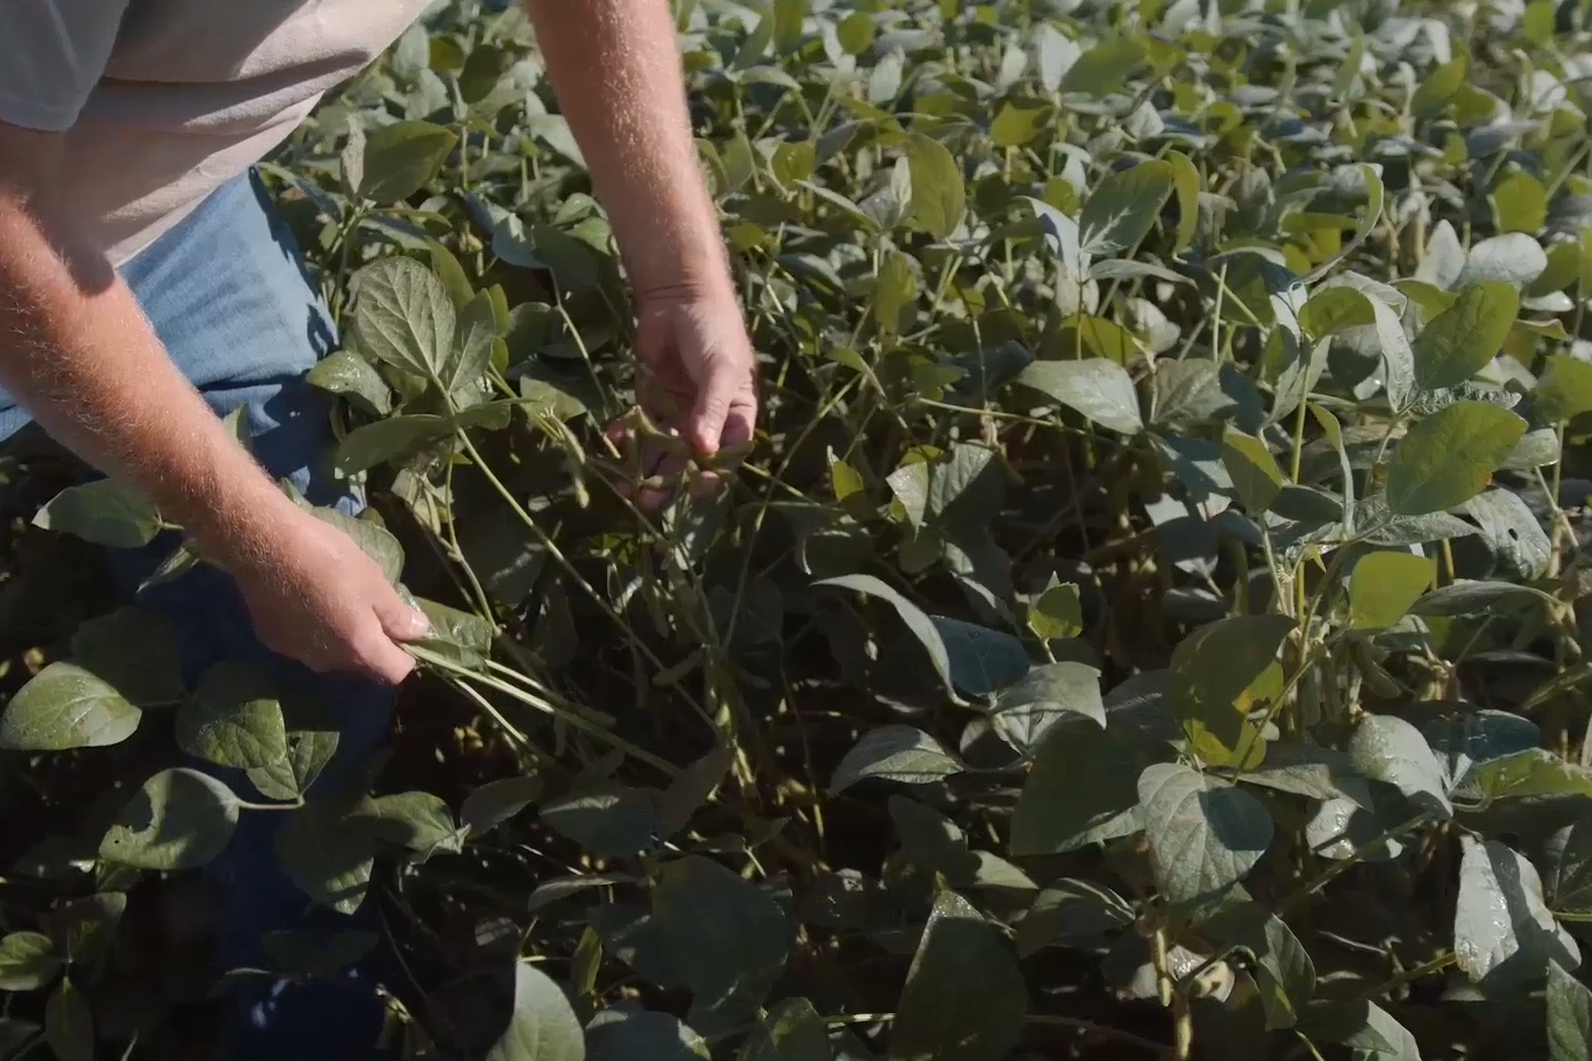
(52, 54)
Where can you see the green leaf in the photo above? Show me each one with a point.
(1569, 1016)
(403, 316)
(105, 512)
(69, 1024)
(380, 441)
(626, 1033)
(1383, 586)
(1460, 341)
(490, 805)
(346, 373)
(1387, 748)
(1572, 897)
(419, 821)
(467, 362)
(689, 792)
(792, 1031)
(1311, 771)
(1512, 531)
(1283, 969)
(374, 540)
(1104, 69)
(234, 719)
(919, 623)
(1082, 789)
(1057, 613)
(1048, 695)
(896, 753)
(464, 637)
(964, 998)
(1564, 391)
(179, 819)
(983, 661)
(1204, 834)
(1019, 122)
(730, 938)
(308, 753)
(1362, 1026)
(134, 651)
(543, 1026)
(938, 195)
(1186, 182)
(1503, 931)
(609, 820)
(1450, 456)
(1124, 207)
(1219, 674)
(28, 961)
(65, 707)
(1096, 388)
(1252, 468)
(1440, 85)
(1513, 257)
(401, 158)
(1072, 913)
(1471, 596)
(328, 855)
(1521, 203)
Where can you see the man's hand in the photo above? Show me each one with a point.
(316, 597)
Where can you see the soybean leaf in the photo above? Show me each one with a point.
(919, 623)
(938, 194)
(1058, 613)
(106, 512)
(543, 1026)
(1569, 1016)
(693, 788)
(791, 1031)
(1387, 748)
(401, 158)
(64, 707)
(1186, 181)
(610, 820)
(1511, 530)
(729, 937)
(1049, 694)
(136, 652)
(1072, 913)
(1283, 969)
(1513, 257)
(1503, 931)
(1081, 789)
(1124, 207)
(403, 316)
(1450, 456)
(1572, 898)
(983, 661)
(374, 540)
(178, 819)
(1362, 1026)
(28, 961)
(328, 855)
(1383, 586)
(234, 719)
(1565, 389)
(380, 441)
(1204, 834)
(1104, 68)
(964, 998)
(1458, 343)
(69, 1023)
(345, 372)
(1252, 468)
(492, 804)
(1096, 388)
(1218, 675)
(896, 753)
(1471, 596)
(625, 1033)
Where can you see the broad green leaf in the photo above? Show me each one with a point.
(689, 792)
(401, 158)
(1072, 913)
(1082, 789)
(938, 195)
(1219, 674)
(627, 1033)
(28, 961)
(543, 1026)
(308, 753)
(464, 637)
(492, 804)
(471, 355)
(1048, 695)
(896, 753)
(1383, 586)
(65, 707)
(983, 661)
(1441, 84)
(69, 1023)
(419, 821)
(1565, 389)
(328, 855)
(234, 719)
(1503, 931)
(1019, 122)
(1057, 613)
(374, 540)
(730, 938)
(1513, 257)
(1525, 774)
(1572, 897)
(1472, 596)
(179, 819)
(1283, 969)
(1512, 531)
(1387, 748)
(1309, 770)
(609, 820)
(346, 373)
(1252, 468)
(1569, 1016)
(1186, 181)
(1104, 68)
(919, 623)
(964, 998)
(1450, 456)
(1097, 388)
(380, 441)
(403, 316)
(1204, 834)
(1124, 206)
(1460, 341)
(1521, 203)
(105, 512)
(1363, 1026)
(134, 651)
(792, 1031)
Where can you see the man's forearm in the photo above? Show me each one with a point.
(616, 69)
(77, 352)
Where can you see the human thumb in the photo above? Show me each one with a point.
(712, 407)
(400, 620)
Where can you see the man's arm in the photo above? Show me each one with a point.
(616, 69)
(78, 353)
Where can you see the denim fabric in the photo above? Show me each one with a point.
(227, 293)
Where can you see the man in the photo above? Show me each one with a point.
(145, 288)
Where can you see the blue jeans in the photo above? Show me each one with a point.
(227, 293)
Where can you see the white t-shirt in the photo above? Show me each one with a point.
(162, 101)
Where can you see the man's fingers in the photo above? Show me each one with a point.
(400, 621)
(713, 405)
(384, 661)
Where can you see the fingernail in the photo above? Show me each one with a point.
(419, 625)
